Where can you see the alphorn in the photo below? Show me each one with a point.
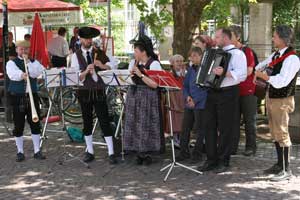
(34, 114)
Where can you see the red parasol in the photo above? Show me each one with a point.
(38, 48)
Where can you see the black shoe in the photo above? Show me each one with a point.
(20, 157)
(249, 152)
(112, 159)
(39, 156)
(282, 176)
(207, 167)
(147, 160)
(221, 169)
(88, 157)
(139, 160)
(182, 156)
(196, 158)
(275, 169)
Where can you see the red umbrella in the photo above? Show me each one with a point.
(38, 49)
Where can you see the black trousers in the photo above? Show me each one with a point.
(248, 108)
(59, 61)
(21, 110)
(192, 120)
(220, 116)
(91, 100)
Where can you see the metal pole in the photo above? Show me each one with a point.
(7, 113)
(109, 17)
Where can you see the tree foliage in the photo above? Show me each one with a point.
(286, 12)
(156, 16)
(98, 16)
(95, 15)
(219, 10)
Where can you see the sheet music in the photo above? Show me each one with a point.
(53, 76)
(164, 79)
(116, 77)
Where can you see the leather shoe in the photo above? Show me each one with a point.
(207, 167)
(221, 169)
(275, 169)
(112, 159)
(88, 157)
(20, 157)
(39, 156)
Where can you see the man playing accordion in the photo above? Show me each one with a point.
(222, 106)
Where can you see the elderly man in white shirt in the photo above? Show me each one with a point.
(280, 97)
(20, 102)
(222, 106)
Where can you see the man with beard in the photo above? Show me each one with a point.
(92, 94)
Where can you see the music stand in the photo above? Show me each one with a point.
(166, 80)
(118, 78)
(61, 78)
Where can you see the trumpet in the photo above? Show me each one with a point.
(34, 114)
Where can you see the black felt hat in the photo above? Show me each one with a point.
(88, 32)
(146, 42)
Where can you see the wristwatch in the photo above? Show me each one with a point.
(142, 76)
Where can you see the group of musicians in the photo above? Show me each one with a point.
(143, 133)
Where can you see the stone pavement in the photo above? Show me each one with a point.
(47, 179)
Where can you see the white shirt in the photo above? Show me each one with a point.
(155, 65)
(113, 62)
(58, 46)
(237, 67)
(290, 67)
(35, 69)
(75, 63)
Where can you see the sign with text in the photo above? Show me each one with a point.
(96, 3)
(47, 18)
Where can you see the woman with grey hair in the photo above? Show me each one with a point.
(176, 100)
(280, 97)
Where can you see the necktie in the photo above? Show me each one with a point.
(88, 58)
(276, 55)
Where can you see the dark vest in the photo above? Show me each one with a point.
(89, 82)
(19, 87)
(287, 91)
(137, 80)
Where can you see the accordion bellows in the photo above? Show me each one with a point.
(212, 58)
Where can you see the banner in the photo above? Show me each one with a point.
(46, 18)
(96, 3)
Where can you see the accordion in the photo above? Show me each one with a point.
(212, 58)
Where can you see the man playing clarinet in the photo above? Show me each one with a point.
(89, 60)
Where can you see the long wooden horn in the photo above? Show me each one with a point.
(34, 114)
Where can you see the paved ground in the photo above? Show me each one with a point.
(49, 180)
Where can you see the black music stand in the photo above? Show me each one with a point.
(61, 78)
(167, 81)
(118, 78)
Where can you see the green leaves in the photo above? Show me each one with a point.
(156, 17)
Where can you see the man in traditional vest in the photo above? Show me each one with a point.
(280, 98)
(89, 60)
(20, 99)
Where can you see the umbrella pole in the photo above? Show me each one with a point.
(7, 111)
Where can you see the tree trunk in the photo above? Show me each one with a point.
(186, 16)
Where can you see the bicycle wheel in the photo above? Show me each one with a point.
(71, 107)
